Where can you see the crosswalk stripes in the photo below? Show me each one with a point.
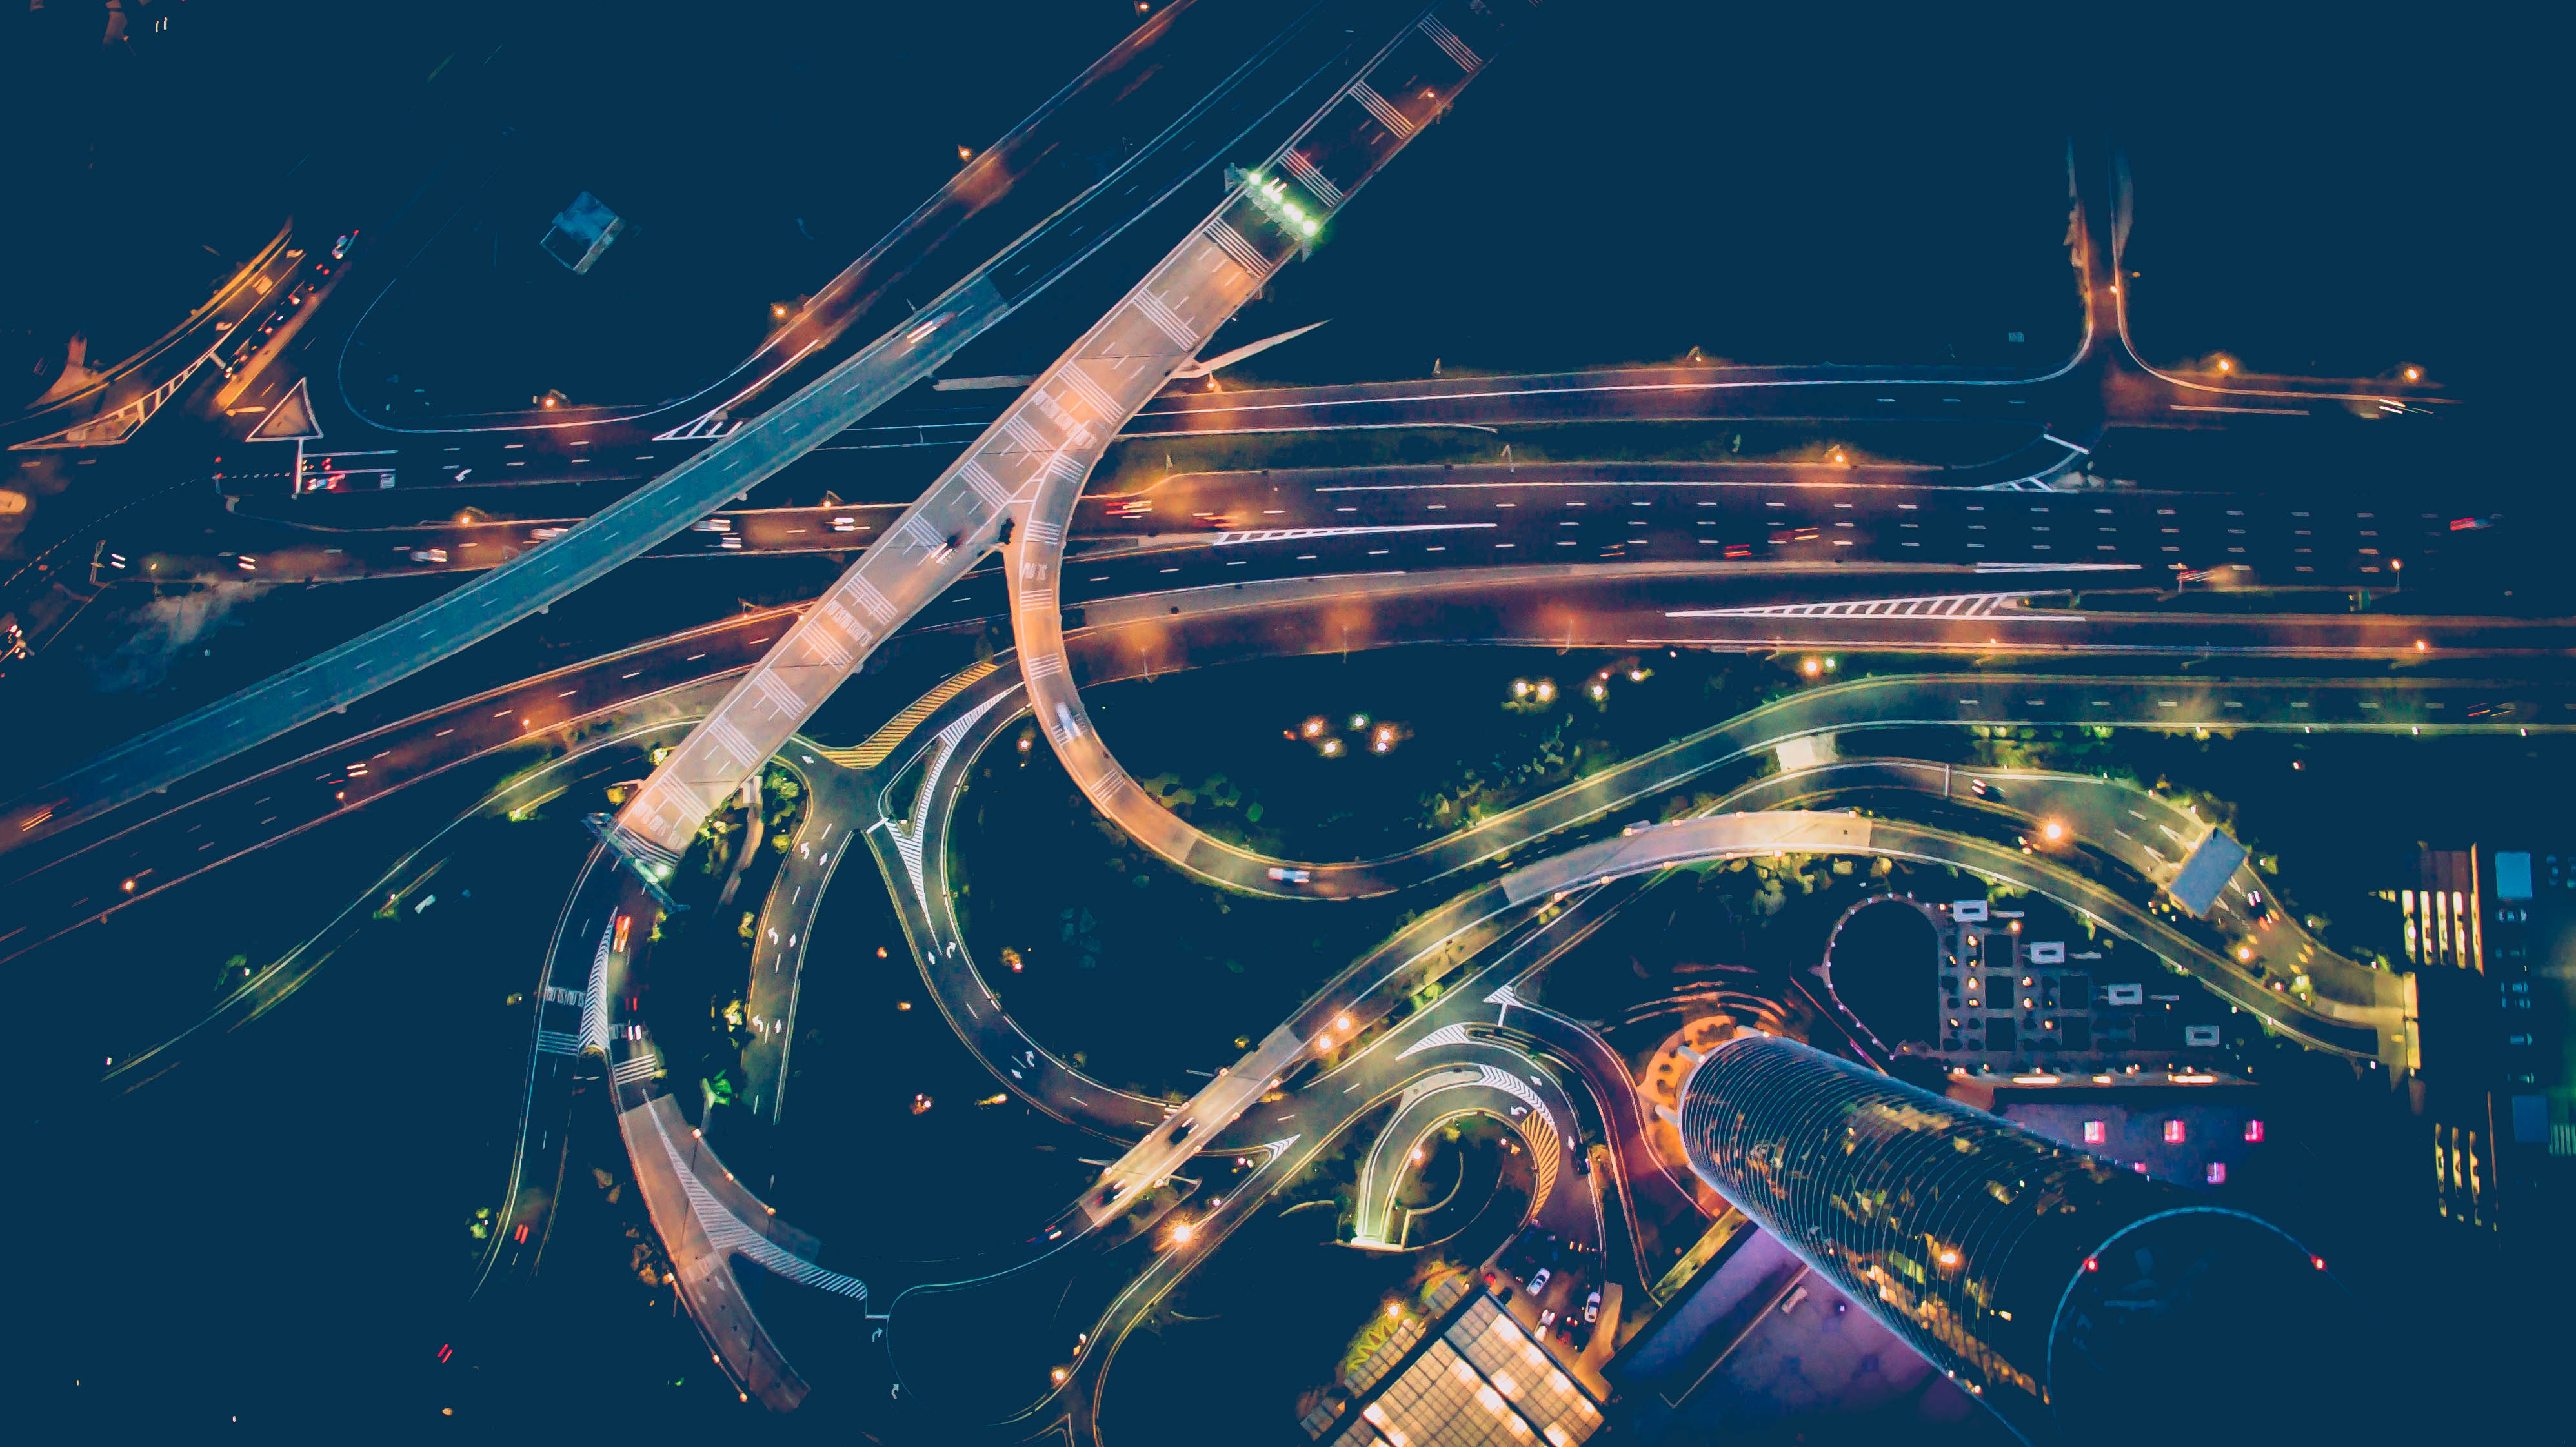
(1447, 39)
(1237, 249)
(558, 1042)
(636, 1068)
(1378, 106)
(1165, 320)
(1312, 179)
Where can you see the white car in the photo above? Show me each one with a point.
(1592, 1305)
(1289, 876)
(1538, 1282)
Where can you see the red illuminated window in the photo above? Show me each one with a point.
(2218, 1173)
(2253, 1130)
(2173, 1133)
(2093, 1132)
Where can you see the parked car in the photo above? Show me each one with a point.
(1592, 1305)
(1538, 1281)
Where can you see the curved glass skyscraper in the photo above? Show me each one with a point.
(2082, 1302)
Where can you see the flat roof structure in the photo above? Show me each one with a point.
(1471, 1378)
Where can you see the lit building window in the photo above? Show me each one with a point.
(2218, 1173)
(2173, 1133)
(2093, 1132)
(2253, 1130)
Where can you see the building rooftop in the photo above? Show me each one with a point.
(1471, 1378)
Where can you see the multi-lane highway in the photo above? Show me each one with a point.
(732, 464)
(1026, 470)
(263, 294)
(1199, 568)
(2205, 705)
(1197, 527)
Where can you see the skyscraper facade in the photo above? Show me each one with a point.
(2080, 1301)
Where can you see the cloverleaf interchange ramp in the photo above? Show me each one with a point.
(1994, 696)
(2351, 1009)
(725, 470)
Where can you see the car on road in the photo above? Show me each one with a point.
(1640, 827)
(546, 535)
(1182, 1131)
(1984, 790)
(843, 525)
(1546, 1319)
(712, 525)
(429, 555)
(1289, 876)
(1592, 1305)
(1538, 1281)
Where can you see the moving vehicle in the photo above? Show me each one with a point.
(1290, 876)
(1592, 1305)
